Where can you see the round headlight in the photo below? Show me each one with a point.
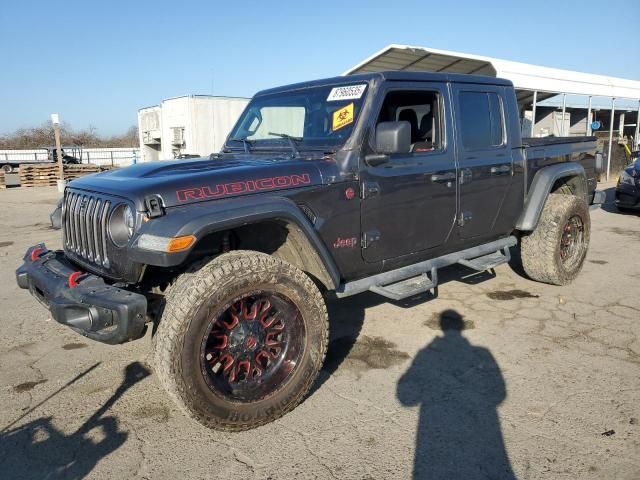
(121, 225)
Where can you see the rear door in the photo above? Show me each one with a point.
(484, 157)
(409, 202)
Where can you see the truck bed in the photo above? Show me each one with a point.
(545, 151)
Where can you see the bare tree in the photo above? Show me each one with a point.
(42, 137)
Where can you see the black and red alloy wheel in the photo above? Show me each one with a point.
(572, 240)
(251, 348)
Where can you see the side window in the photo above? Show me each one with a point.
(423, 110)
(481, 120)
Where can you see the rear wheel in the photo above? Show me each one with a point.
(7, 168)
(555, 251)
(241, 340)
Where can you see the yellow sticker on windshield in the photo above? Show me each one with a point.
(342, 117)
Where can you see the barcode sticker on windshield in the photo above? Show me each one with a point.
(351, 92)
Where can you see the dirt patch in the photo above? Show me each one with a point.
(27, 386)
(74, 346)
(5, 244)
(448, 320)
(510, 294)
(159, 413)
(22, 347)
(36, 226)
(599, 262)
(366, 352)
(92, 389)
(626, 232)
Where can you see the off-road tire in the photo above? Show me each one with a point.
(194, 298)
(540, 250)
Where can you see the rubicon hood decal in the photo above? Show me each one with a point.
(245, 186)
(181, 182)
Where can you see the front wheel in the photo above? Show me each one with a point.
(241, 340)
(555, 251)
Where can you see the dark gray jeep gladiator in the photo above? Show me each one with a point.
(350, 184)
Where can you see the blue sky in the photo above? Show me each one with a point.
(96, 63)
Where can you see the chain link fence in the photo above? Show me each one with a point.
(113, 157)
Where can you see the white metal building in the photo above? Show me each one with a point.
(187, 125)
(616, 100)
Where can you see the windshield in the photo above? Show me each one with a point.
(313, 118)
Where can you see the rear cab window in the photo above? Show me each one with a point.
(481, 120)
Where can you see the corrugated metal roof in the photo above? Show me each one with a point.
(525, 77)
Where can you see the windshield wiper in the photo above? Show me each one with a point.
(292, 141)
(245, 143)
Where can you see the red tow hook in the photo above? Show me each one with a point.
(73, 279)
(36, 252)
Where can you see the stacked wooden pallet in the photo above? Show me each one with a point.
(2, 182)
(75, 171)
(46, 174)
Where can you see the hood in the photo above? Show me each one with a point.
(179, 182)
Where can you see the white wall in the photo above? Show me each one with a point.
(175, 114)
(149, 126)
(206, 121)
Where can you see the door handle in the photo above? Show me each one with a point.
(500, 170)
(443, 177)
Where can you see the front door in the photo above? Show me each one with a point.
(409, 202)
(484, 157)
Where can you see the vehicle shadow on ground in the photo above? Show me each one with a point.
(346, 316)
(40, 450)
(458, 387)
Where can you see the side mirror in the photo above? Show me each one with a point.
(393, 137)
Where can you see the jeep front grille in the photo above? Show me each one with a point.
(84, 223)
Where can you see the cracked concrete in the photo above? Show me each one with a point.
(558, 368)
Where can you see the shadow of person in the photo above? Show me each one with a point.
(346, 316)
(458, 387)
(40, 450)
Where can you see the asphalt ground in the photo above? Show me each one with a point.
(496, 377)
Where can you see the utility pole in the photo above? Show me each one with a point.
(613, 114)
(55, 120)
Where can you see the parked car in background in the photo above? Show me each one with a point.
(628, 188)
(70, 155)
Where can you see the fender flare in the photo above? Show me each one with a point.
(541, 186)
(203, 218)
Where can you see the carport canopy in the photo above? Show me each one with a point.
(526, 78)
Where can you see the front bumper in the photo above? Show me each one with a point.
(80, 300)
(627, 196)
